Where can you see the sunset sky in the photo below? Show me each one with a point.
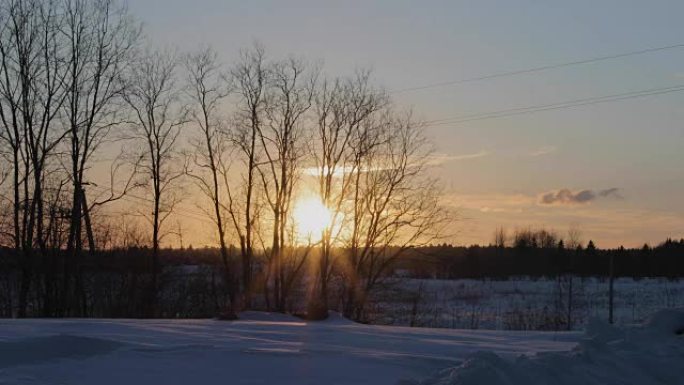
(613, 169)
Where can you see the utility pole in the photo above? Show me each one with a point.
(610, 289)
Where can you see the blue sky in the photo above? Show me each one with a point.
(496, 170)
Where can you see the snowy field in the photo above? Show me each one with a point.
(259, 349)
(263, 348)
(521, 303)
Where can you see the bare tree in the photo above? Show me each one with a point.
(574, 238)
(249, 76)
(100, 37)
(14, 26)
(283, 140)
(99, 41)
(207, 88)
(159, 115)
(341, 107)
(394, 206)
(500, 237)
(31, 96)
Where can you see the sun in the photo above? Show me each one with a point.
(311, 218)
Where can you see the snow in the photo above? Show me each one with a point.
(271, 348)
(650, 354)
(260, 348)
(522, 302)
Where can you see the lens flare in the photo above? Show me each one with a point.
(311, 218)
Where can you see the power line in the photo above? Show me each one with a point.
(201, 216)
(556, 106)
(537, 69)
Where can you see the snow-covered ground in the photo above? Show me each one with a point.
(264, 348)
(652, 354)
(261, 348)
(521, 303)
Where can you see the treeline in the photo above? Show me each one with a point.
(115, 282)
(453, 262)
(93, 118)
(190, 283)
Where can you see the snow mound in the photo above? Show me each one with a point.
(335, 318)
(33, 350)
(667, 322)
(652, 353)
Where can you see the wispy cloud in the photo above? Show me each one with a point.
(433, 160)
(545, 150)
(613, 192)
(567, 197)
(439, 159)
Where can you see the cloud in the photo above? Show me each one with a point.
(611, 193)
(439, 159)
(567, 197)
(338, 171)
(545, 150)
(432, 160)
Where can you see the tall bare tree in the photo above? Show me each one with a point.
(341, 107)
(13, 25)
(283, 139)
(395, 206)
(31, 95)
(100, 38)
(249, 77)
(207, 88)
(159, 114)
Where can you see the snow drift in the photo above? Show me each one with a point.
(270, 348)
(652, 353)
(259, 348)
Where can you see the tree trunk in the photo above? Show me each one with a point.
(155, 258)
(89, 227)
